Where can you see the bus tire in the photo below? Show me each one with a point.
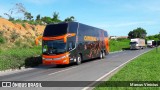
(78, 60)
(100, 55)
(104, 54)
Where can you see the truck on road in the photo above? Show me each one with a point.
(73, 42)
(137, 43)
(151, 43)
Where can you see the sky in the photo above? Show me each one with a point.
(118, 17)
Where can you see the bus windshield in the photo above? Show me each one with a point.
(54, 47)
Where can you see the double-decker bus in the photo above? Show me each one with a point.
(73, 42)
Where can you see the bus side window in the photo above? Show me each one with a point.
(105, 34)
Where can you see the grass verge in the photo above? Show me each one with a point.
(143, 68)
(18, 57)
(116, 45)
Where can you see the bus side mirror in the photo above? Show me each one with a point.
(65, 39)
(70, 46)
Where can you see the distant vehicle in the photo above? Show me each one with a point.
(137, 43)
(158, 43)
(151, 43)
(72, 42)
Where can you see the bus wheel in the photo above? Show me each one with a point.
(104, 54)
(100, 55)
(79, 60)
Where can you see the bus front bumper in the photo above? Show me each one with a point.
(56, 59)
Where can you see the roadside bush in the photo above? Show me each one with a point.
(23, 43)
(2, 40)
(0, 50)
(1, 32)
(26, 45)
(33, 61)
(14, 35)
(18, 43)
(24, 25)
(32, 22)
(17, 21)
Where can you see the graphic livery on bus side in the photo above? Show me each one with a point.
(72, 42)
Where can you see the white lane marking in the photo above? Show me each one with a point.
(111, 71)
(63, 70)
(115, 52)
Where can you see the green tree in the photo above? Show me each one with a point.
(47, 20)
(150, 38)
(154, 37)
(55, 18)
(70, 19)
(18, 8)
(38, 18)
(10, 18)
(157, 36)
(137, 33)
(28, 15)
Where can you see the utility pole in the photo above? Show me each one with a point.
(157, 46)
(157, 43)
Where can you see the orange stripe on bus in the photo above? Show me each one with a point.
(54, 38)
(107, 43)
(60, 37)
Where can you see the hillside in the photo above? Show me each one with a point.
(19, 32)
(17, 44)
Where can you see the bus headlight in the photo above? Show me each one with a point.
(47, 58)
(61, 57)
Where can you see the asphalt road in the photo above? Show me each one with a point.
(93, 70)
